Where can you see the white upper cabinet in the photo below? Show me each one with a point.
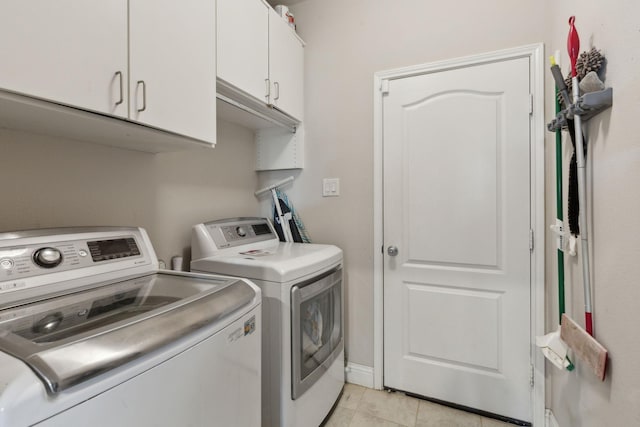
(67, 51)
(260, 55)
(172, 62)
(149, 62)
(286, 67)
(243, 45)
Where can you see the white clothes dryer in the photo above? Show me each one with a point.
(301, 283)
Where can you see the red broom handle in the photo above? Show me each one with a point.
(573, 45)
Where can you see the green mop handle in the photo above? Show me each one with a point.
(561, 88)
(559, 213)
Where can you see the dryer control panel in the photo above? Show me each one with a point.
(243, 232)
(211, 237)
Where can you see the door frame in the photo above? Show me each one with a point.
(381, 79)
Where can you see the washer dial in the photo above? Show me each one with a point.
(47, 257)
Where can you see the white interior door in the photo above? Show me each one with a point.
(457, 208)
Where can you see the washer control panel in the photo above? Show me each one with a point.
(29, 261)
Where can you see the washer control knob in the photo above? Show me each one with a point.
(47, 257)
(241, 231)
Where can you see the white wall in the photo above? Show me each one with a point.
(347, 42)
(50, 182)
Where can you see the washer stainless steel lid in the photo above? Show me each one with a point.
(249, 247)
(80, 302)
(73, 338)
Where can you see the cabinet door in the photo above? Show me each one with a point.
(243, 55)
(286, 67)
(172, 54)
(66, 51)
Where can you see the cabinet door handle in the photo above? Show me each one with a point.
(277, 86)
(144, 95)
(268, 92)
(121, 100)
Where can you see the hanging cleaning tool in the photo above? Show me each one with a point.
(582, 343)
(585, 346)
(573, 46)
(595, 96)
(551, 344)
(561, 89)
(595, 99)
(561, 86)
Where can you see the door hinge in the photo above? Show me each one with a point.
(384, 87)
(530, 103)
(531, 374)
(531, 245)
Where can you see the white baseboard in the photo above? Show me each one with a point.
(359, 374)
(550, 420)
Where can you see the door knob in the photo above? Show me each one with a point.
(392, 251)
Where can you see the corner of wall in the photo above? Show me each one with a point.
(550, 419)
(359, 374)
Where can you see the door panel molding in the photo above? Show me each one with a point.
(535, 54)
(469, 326)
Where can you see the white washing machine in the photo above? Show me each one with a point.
(92, 333)
(303, 344)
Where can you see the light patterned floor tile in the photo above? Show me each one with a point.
(363, 407)
(341, 417)
(362, 419)
(351, 396)
(490, 422)
(434, 415)
(394, 407)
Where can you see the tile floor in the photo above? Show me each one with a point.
(364, 407)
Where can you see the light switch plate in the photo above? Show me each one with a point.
(330, 187)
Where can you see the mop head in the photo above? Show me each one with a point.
(590, 351)
(592, 60)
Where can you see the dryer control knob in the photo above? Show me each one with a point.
(241, 231)
(47, 257)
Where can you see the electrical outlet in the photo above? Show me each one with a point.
(330, 187)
